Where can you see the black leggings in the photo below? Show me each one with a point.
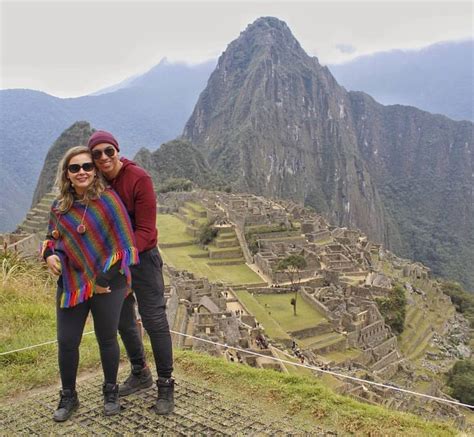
(105, 310)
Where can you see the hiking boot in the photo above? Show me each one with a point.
(165, 401)
(68, 403)
(139, 379)
(111, 399)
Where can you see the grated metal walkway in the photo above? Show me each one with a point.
(198, 411)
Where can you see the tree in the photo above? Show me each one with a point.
(175, 184)
(393, 308)
(292, 265)
(461, 381)
(207, 233)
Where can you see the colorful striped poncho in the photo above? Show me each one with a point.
(108, 238)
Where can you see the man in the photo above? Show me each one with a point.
(135, 188)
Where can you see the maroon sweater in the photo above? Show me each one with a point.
(135, 188)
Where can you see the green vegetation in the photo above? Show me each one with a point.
(393, 309)
(462, 300)
(279, 307)
(174, 184)
(271, 310)
(207, 233)
(180, 258)
(252, 231)
(28, 315)
(272, 328)
(461, 381)
(305, 399)
(292, 265)
(171, 230)
(191, 257)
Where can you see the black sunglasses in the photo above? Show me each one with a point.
(109, 151)
(75, 168)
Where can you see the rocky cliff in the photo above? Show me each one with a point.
(273, 121)
(76, 135)
(178, 159)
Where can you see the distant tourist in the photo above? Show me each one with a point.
(90, 246)
(135, 188)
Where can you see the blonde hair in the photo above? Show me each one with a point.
(66, 190)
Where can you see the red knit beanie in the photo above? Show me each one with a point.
(101, 136)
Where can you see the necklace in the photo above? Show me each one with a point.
(81, 227)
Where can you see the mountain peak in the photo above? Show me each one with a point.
(267, 32)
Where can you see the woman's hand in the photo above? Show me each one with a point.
(102, 290)
(54, 264)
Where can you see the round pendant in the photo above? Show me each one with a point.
(81, 229)
(55, 234)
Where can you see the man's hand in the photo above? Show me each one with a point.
(102, 290)
(54, 264)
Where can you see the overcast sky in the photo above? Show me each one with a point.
(70, 48)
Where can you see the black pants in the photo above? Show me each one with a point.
(148, 286)
(105, 310)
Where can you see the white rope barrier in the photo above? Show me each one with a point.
(36, 345)
(330, 372)
(316, 369)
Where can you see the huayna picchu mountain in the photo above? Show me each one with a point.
(273, 121)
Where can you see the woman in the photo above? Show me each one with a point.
(90, 246)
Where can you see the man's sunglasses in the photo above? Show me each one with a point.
(75, 168)
(109, 151)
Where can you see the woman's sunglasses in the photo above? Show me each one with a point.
(109, 151)
(75, 168)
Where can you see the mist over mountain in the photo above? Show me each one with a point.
(273, 121)
(147, 111)
(438, 78)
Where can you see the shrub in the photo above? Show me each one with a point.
(462, 300)
(393, 309)
(461, 381)
(175, 184)
(207, 233)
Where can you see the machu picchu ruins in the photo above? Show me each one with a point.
(345, 275)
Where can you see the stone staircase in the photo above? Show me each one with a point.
(36, 220)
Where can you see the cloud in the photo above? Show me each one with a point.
(346, 48)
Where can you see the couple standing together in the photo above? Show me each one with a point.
(101, 239)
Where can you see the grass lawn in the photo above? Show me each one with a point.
(196, 206)
(179, 258)
(307, 398)
(28, 315)
(339, 357)
(172, 230)
(282, 311)
(272, 328)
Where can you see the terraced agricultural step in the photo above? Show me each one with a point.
(192, 231)
(224, 253)
(230, 242)
(415, 320)
(226, 236)
(227, 262)
(37, 220)
(420, 345)
(179, 244)
(31, 229)
(43, 206)
(324, 343)
(196, 210)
